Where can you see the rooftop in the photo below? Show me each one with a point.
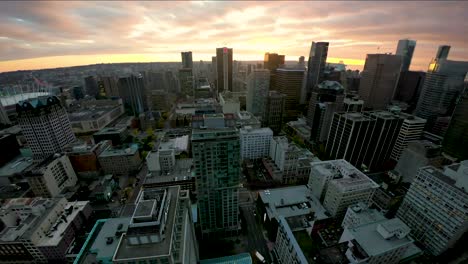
(243, 258)
(16, 98)
(182, 171)
(16, 166)
(356, 116)
(91, 113)
(112, 151)
(111, 130)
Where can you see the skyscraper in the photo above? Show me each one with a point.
(405, 49)
(316, 65)
(133, 92)
(186, 81)
(273, 61)
(258, 85)
(443, 85)
(289, 82)
(273, 111)
(442, 52)
(187, 61)
(411, 130)
(379, 80)
(110, 86)
(216, 157)
(456, 139)
(45, 125)
(91, 86)
(325, 101)
(409, 87)
(435, 206)
(223, 69)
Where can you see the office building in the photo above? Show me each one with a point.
(353, 104)
(442, 86)
(133, 92)
(274, 110)
(187, 61)
(405, 49)
(91, 86)
(223, 69)
(379, 80)
(160, 230)
(435, 206)
(339, 184)
(50, 177)
(160, 175)
(364, 139)
(229, 102)
(94, 115)
(456, 139)
(45, 125)
(11, 148)
(216, 158)
(117, 135)
(186, 82)
(84, 158)
(272, 61)
(120, 160)
(160, 100)
(325, 100)
(442, 52)
(245, 119)
(258, 85)
(316, 65)
(110, 86)
(360, 214)
(411, 130)
(255, 143)
(39, 230)
(409, 87)
(289, 82)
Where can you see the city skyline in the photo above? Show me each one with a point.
(61, 34)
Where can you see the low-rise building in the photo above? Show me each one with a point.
(120, 160)
(117, 135)
(94, 115)
(246, 119)
(50, 177)
(179, 174)
(40, 230)
(84, 158)
(12, 171)
(339, 184)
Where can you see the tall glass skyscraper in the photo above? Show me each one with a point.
(316, 65)
(405, 49)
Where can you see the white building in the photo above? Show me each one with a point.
(160, 230)
(411, 130)
(435, 207)
(255, 143)
(50, 177)
(229, 103)
(45, 125)
(258, 85)
(339, 184)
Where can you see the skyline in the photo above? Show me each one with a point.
(37, 35)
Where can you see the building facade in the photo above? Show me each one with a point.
(316, 65)
(120, 161)
(405, 49)
(274, 110)
(289, 82)
(258, 85)
(255, 143)
(411, 130)
(223, 69)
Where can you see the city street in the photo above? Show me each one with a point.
(256, 241)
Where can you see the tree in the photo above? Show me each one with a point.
(150, 131)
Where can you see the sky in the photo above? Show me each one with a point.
(39, 34)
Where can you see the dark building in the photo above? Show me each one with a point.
(10, 148)
(78, 92)
(379, 80)
(223, 69)
(273, 113)
(405, 49)
(455, 141)
(442, 52)
(187, 61)
(132, 90)
(363, 139)
(273, 61)
(289, 82)
(326, 99)
(117, 135)
(316, 65)
(108, 86)
(409, 87)
(91, 86)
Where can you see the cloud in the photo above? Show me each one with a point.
(42, 29)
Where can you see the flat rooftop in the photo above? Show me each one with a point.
(16, 166)
(373, 242)
(108, 237)
(144, 242)
(110, 130)
(292, 201)
(90, 114)
(243, 258)
(112, 152)
(182, 171)
(356, 116)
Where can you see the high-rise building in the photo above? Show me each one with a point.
(301, 63)
(255, 143)
(258, 85)
(339, 184)
(273, 112)
(273, 61)
(159, 231)
(456, 139)
(353, 104)
(316, 65)
(109, 85)
(223, 69)
(133, 92)
(216, 159)
(187, 61)
(326, 99)
(45, 125)
(405, 49)
(442, 52)
(364, 139)
(186, 81)
(435, 206)
(50, 177)
(379, 80)
(288, 81)
(409, 87)
(91, 86)
(442, 86)
(411, 130)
